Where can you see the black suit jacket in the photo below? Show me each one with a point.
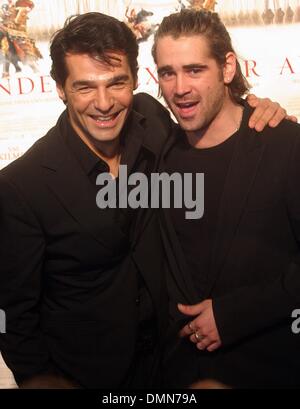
(254, 280)
(65, 307)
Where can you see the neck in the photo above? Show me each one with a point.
(225, 124)
(109, 151)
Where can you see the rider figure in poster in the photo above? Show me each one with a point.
(15, 44)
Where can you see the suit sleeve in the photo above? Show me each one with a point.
(22, 248)
(249, 310)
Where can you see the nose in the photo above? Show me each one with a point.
(182, 86)
(104, 101)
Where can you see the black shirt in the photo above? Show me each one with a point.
(92, 166)
(197, 236)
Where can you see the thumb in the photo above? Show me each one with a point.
(190, 309)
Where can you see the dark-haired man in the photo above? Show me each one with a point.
(83, 288)
(81, 293)
(235, 271)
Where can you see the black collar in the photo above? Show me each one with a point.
(87, 159)
(134, 138)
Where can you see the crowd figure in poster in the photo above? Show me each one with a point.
(15, 44)
(197, 5)
(143, 28)
(274, 12)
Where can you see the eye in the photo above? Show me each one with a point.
(118, 85)
(195, 71)
(166, 75)
(83, 89)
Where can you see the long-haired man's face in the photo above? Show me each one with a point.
(191, 81)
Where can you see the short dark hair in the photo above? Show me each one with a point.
(209, 25)
(94, 34)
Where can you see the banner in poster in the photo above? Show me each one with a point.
(265, 35)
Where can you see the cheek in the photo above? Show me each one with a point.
(166, 89)
(208, 91)
(125, 98)
(80, 104)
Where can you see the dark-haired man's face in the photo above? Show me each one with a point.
(191, 81)
(98, 96)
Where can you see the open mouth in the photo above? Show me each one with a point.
(186, 109)
(106, 121)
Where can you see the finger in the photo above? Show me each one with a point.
(190, 309)
(272, 112)
(193, 339)
(184, 332)
(252, 100)
(292, 118)
(214, 346)
(260, 108)
(188, 329)
(204, 344)
(257, 114)
(196, 337)
(279, 116)
(191, 326)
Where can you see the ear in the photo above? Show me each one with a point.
(135, 83)
(61, 93)
(229, 68)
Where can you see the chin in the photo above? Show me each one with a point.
(188, 127)
(194, 127)
(105, 138)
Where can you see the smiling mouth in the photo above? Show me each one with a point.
(106, 121)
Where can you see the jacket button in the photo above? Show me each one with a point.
(137, 301)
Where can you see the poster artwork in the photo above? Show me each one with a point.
(264, 34)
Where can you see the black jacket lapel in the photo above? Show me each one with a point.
(181, 281)
(139, 157)
(71, 186)
(177, 262)
(240, 177)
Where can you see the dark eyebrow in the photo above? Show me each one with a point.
(167, 68)
(81, 83)
(192, 66)
(112, 81)
(118, 78)
(164, 69)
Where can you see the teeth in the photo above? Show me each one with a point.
(104, 118)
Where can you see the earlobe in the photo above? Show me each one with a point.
(61, 92)
(229, 69)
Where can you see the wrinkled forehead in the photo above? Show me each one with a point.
(115, 59)
(85, 67)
